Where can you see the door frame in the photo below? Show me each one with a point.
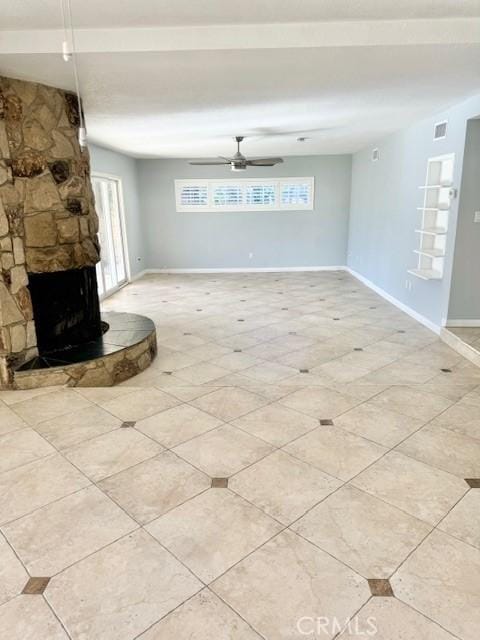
(123, 228)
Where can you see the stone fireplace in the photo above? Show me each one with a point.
(48, 233)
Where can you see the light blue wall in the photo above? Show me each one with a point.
(225, 240)
(113, 163)
(383, 214)
(465, 294)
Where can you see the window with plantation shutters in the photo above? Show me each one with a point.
(254, 194)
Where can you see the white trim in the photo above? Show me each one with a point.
(242, 270)
(462, 323)
(403, 307)
(461, 347)
(328, 33)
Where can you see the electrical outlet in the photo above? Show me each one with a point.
(476, 216)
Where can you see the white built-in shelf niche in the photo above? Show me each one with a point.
(434, 217)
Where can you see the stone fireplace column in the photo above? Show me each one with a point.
(48, 221)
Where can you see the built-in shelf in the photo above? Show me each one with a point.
(431, 253)
(433, 226)
(426, 274)
(432, 231)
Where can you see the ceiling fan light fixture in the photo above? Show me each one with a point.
(238, 162)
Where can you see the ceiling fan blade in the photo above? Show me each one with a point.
(208, 162)
(264, 162)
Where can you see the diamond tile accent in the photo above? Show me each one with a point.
(473, 483)
(219, 483)
(128, 424)
(326, 422)
(380, 587)
(36, 586)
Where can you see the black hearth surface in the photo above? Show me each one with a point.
(125, 330)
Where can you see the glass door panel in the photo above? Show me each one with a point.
(111, 270)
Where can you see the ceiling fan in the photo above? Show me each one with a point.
(239, 162)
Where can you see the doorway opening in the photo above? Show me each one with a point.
(463, 321)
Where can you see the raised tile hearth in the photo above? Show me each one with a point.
(126, 348)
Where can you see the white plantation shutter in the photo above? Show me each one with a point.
(261, 194)
(296, 193)
(227, 194)
(255, 194)
(194, 195)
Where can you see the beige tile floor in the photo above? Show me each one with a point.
(345, 450)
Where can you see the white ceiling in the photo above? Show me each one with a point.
(163, 78)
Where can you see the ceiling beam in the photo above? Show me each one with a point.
(251, 36)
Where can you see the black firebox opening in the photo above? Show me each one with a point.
(66, 308)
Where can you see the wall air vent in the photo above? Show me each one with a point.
(375, 155)
(440, 130)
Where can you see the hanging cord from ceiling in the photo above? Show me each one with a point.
(70, 54)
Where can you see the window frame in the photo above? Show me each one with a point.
(244, 183)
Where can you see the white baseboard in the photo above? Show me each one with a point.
(403, 307)
(460, 346)
(138, 275)
(463, 323)
(242, 270)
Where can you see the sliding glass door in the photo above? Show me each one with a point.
(112, 268)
